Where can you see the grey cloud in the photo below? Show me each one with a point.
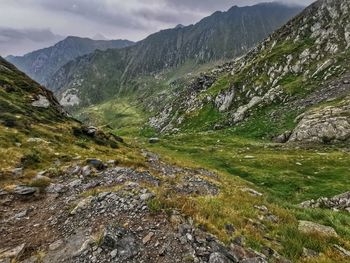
(131, 19)
(210, 5)
(25, 40)
(98, 11)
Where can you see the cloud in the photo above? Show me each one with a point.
(15, 41)
(131, 19)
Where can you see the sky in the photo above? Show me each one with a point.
(27, 25)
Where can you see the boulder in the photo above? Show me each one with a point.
(96, 163)
(311, 227)
(41, 102)
(328, 124)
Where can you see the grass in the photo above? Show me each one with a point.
(61, 147)
(203, 119)
(287, 175)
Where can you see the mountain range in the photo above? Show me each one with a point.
(233, 149)
(110, 72)
(42, 64)
(285, 83)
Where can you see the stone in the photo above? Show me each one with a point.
(114, 253)
(55, 245)
(283, 138)
(309, 253)
(311, 227)
(146, 196)
(254, 260)
(91, 130)
(223, 100)
(96, 163)
(119, 238)
(21, 214)
(86, 171)
(154, 140)
(75, 183)
(25, 190)
(3, 192)
(328, 124)
(17, 172)
(252, 192)
(147, 238)
(83, 204)
(217, 257)
(262, 208)
(343, 251)
(11, 253)
(41, 102)
(56, 188)
(176, 219)
(86, 244)
(336, 203)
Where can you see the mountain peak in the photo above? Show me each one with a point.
(179, 26)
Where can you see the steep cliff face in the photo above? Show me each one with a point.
(42, 64)
(294, 70)
(224, 35)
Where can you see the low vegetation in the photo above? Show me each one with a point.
(286, 175)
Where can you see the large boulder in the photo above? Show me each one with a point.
(328, 124)
(311, 227)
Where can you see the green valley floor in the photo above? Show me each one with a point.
(283, 176)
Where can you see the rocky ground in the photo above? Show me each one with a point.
(105, 213)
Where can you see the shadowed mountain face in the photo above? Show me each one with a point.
(43, 63)
(221, 36)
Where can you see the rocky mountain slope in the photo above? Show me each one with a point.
(123, 208)
(294, 86)
(42, 64)
(223, 35)
(34, 128)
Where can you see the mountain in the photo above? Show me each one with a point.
(34, 128)
(43, 63)
(294, 86)
(223, 35)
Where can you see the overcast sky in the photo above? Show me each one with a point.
(27, 25)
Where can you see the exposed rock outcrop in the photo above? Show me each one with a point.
(327, 124)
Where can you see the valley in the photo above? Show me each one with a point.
(226, 141)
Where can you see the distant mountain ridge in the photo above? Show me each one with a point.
(42, 64)
(224, 35)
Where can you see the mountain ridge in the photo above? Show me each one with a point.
(169, 49)
(42, 64)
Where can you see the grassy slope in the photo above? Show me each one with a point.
(286, 176)
(41, 138)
